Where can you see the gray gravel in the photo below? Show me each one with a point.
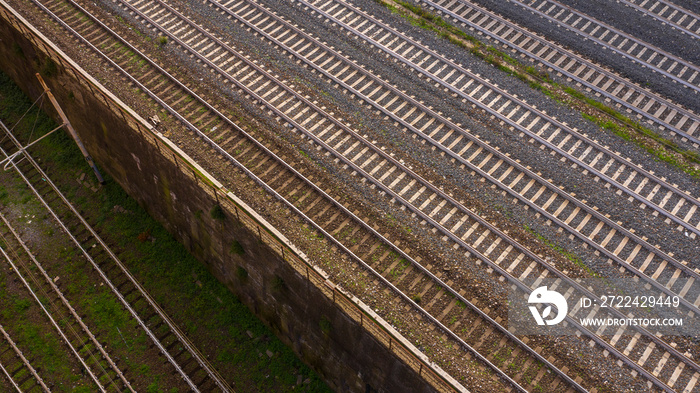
(690, 5)
(664, 86)
(634, 23)
(455, 179)
(476, 121)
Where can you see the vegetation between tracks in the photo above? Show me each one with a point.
(237, 343)
(606, 117)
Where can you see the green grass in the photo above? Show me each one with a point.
(569, 255)
(201, 305)
(40, 344)
(626, 128)
(217, 213)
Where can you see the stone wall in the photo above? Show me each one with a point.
(352, 348)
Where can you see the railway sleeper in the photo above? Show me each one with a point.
(187, 362)
(172, 345)
(106, 269)
(122, 284)
(16, 371)
(164, 336)
(25, 379)
(182, 350)
(83, 345)
(203, 381)
(8, 349)
(83, 238)
(129, 292)
(158, 325)
(151, 315)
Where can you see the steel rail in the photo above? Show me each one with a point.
(563, 52)
(261, 183)
(495, 152)
(87, 256)
(662, 19)
(471, 166)
(512, 123)
(553, 188)
(216, 377)
(435, 190)
(68, 306)
(19, 353)
(53, 322)
(615, 49)
(277, 112)
(9, 377)
(63, 300)
(384, 188)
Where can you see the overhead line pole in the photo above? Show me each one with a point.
(71, 130)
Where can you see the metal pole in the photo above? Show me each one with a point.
(71, 130)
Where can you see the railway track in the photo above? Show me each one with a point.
(198, 36)
(337, 135)
(291, 122)
(18, 370)
(666, 12)
(676, 205)
(395, 172)
(475, 318)
(187, 361)
(414, 276)
(88, 350)
(498, 157)
(585, 222)
(655, 59)
(681, 123)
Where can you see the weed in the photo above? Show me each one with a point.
(325, 325)
(241, 273)
(17, 50)
(48, 69)
(569, 255)
(217, 213)
(161, 40)
(416, 298)
(278, 283)
(237, 248)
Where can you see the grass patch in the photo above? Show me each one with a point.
(569, 255)
(325, 325)
(217, 213)
(204, 307)
(49, 68)
(661, 149)
(236, 248)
